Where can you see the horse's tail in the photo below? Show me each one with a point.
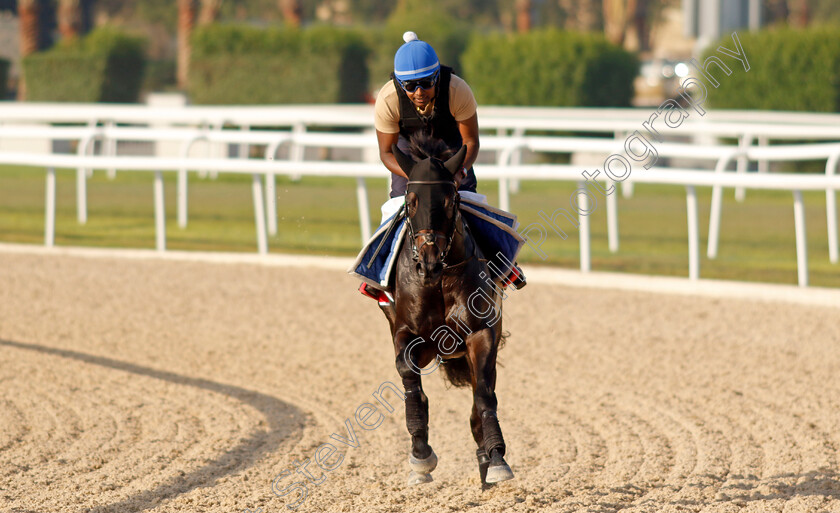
(502, 339)
(457, 370)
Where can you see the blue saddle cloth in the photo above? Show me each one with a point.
(492, 229)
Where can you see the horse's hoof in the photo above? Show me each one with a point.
(423, 466)
(416, 478)
(498, 473)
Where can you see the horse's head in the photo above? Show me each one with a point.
(431, 203)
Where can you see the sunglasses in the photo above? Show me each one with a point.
(423, 83)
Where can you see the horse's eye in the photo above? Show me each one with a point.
(411, 204)
(449, 207)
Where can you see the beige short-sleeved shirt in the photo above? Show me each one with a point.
(462, 105)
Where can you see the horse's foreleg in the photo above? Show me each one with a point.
(481, 353)
(422, 458)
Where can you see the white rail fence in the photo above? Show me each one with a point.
(290, 126)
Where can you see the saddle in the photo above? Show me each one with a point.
(492, 229)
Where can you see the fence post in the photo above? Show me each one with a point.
(364, 208)
(244, 149)
(801, 239)
(516, 159)
(296, 152)
(626, 185)
(744, 143)
(271, 187)
(81, 179)
(763, 164)
(49, 225)
(504, 159)
(831, 208)
(693, 233)
(259, 214)
(612, 216)
(585, 253)
(110, 148)
(160, 214)
(183, 179)
(717, 199)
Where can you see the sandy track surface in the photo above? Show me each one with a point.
(175, 386)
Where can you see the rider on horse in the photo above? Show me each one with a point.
(423, 96)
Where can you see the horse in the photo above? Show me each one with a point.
(443, 292)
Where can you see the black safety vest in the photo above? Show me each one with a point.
(441, 123)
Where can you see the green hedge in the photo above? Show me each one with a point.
(4, 78)
(790, 69)
(550, 68)
(246, 65)
(104, 66)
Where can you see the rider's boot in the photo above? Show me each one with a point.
(374, 293)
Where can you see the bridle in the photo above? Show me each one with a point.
(431, 238)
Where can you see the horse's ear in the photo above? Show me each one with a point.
(405, 162)
(456, 162)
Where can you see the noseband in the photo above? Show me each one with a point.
(431, 238)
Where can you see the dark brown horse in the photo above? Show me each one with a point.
(446, 310)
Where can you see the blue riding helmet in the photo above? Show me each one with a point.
(415, 59)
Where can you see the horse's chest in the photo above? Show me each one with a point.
(427, 320)
(436, 318)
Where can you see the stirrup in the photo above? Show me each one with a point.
(516, 278)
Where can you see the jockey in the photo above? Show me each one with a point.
(422, 95)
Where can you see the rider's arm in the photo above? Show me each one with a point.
(463, 107)
(386, 155)
(387, 124)
(469, 135)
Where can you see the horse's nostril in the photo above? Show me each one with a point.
(419, 268)
(438, 267)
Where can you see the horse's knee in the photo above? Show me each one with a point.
(408, 365)
(404, 369)
(484, 397)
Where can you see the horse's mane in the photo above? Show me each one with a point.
(423, 146)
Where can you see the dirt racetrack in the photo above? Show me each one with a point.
(134, 385)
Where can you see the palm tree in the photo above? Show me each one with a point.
(580, 14)
(186, 20)
(800, 14)
(209, 11)
(69, 18)
(28, 16)
(523, 15)
(292, 11)
(617, 17)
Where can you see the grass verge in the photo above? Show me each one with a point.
(319, 216)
